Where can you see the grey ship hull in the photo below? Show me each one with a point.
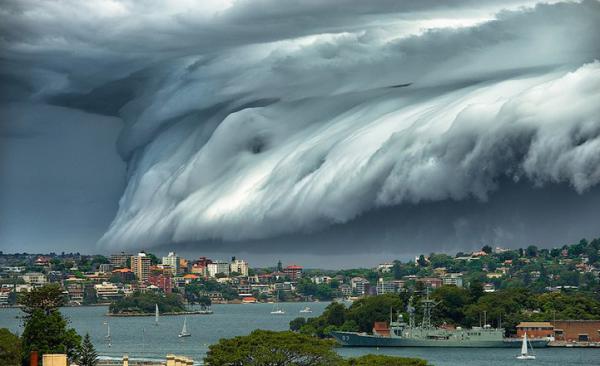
(351, 339)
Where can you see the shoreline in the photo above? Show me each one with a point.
(127, 315)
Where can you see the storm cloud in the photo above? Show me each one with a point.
(378, 126)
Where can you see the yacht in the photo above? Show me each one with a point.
(525, 354)
(184, 331)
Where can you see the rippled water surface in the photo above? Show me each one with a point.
(140, 338)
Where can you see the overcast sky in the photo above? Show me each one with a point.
(332, 133)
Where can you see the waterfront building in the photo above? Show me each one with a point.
(107, 291)
(454, 279)
(249, 300)
(345, 290)
(120, 260)
(76, 292)
(293, 271)
(34, 278)
(244, 290)
(260, 288)
(172, 260)
(4, 296)
(217, 267)
(240, 266)
(576, 330)
(140, 265)
(535, 329)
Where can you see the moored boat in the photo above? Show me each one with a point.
(401, 334)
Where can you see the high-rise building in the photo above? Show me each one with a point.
(172, 260)
(217, 267)
(293, 271)
(140, 265)
(120, 260)
(240, 266)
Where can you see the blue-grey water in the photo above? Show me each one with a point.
(140, 338)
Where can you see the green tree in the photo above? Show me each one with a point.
(46, 299)
(382, 360)
(297, 323)
(531, 251)
(87, 354)
(10, 348)
(268, 348)
(45, 329)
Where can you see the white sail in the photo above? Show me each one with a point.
(524, 345)
(276, 309)
(156, 314)
(184, 329)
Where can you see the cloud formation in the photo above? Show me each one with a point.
(249, 121)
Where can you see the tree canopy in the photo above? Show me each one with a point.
(146, 303)
(268, 348)
(46, 298)
(45, 329)
(10, 348)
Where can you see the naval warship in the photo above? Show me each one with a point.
(402, 334)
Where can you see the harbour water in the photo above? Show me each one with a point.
(140, 338)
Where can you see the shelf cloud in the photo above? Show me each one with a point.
(256, 124)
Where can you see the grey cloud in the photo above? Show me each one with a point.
(266, 123)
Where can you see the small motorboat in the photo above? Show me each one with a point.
(306, 310)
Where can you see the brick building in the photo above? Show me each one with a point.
(293, 271)
(535, 329)
(163, 282)
(577, 330)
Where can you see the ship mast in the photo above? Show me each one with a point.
(428, 304)
(411, 313)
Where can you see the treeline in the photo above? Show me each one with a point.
(146, 303)
(455, 306)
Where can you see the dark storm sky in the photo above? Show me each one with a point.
(334, 133)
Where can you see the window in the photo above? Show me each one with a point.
(583, 338)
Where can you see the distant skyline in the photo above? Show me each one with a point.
(340, 132)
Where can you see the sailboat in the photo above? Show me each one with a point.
(156, 314)
(184, 332)
(107, 336)
(276, 309)
(525, 355)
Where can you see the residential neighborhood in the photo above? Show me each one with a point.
(97, 279)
